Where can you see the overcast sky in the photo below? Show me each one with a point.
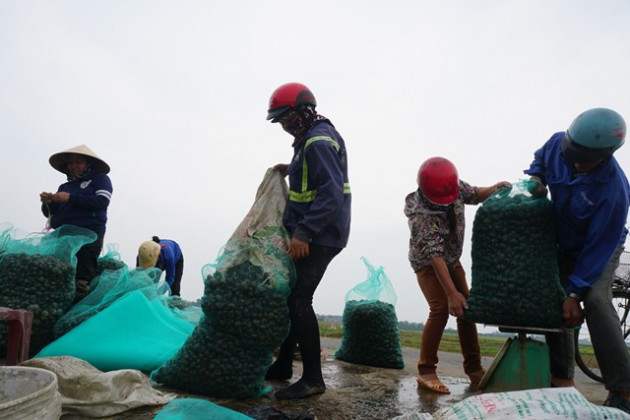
(173, 95)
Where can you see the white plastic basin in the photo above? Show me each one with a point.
(28, 393)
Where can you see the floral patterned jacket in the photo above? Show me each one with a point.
(430, 229)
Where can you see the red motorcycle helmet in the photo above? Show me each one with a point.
(289, 96)
(438, 180)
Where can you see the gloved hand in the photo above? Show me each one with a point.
(536, 188)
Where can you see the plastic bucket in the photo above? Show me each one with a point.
(28, 393)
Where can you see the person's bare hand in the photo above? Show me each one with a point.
(572, 312)
(457, 304)
(298, 249)
(282, 168)
(46, 197)
(502, 184)
(536, 188)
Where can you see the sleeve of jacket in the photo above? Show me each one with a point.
(101, 197)
(539, 165)
(468, 192)
(326, 176)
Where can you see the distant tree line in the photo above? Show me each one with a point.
(402, 325)
(409, 326)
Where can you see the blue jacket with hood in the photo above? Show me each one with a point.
(591, 210)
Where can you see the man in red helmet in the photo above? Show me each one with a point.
(317, 217)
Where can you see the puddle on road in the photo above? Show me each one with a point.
(385, 393)
(359, 392)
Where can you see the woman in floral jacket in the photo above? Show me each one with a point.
(436, 221)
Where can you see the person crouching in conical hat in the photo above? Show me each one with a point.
(81, 201)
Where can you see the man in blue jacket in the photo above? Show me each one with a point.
(317, 217)
(591, 196)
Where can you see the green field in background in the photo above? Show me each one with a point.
(490, 346)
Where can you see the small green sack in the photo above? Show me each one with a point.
(515, 276)
(370, 325)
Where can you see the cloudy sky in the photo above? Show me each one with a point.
(173, 95)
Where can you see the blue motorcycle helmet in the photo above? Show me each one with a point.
(594, 135)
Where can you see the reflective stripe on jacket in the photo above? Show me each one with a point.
(318, 209)
(305, 195)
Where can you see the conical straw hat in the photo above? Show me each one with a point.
(59, 160)
(148, 254)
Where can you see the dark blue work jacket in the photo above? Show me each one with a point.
(87, 206)
(318, 209)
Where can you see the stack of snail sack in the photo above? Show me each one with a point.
(515, 277)
(42, 284)
(370, 335)
(245, 317)
(370, 326)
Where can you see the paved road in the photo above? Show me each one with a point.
(363, 392)
(451, 371)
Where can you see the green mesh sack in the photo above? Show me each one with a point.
(37, 274)
(245, 317)
(107, 288)
(515, 276)
(370, 325)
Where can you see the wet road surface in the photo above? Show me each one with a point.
(364, 392)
